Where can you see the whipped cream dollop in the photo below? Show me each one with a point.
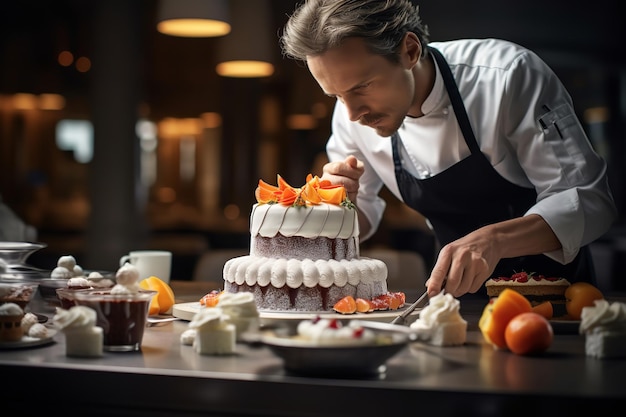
(331, 332)
(67, 268)
(294, 273)
(76, 282)
(208, 319)
(240, 310)
(127, 277)
(238, 305)
(440, 322)
(205, 320)
(75, 318)
(28, 321)
(603, 315)
(10, 309)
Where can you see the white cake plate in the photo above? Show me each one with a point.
(186, 311)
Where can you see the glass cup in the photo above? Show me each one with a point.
(123, 317)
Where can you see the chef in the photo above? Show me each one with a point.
(477, 135)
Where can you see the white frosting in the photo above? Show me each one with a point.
(241, 310)
(207, 319)
(78, 282)
(440, 322)
(68, 262)
(605, 315)
(127, 277)
(76, 318)
(82, 337)
(562, 282)
(604, 327)
(37, 330)
(60, 272)
(10, 309)
(322, 220)
(238, 305)
(188, 337)
(295, 273)
(214, 335)
(28, 321)
(331, 332)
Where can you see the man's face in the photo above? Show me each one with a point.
(376, 92)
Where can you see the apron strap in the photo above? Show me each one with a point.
(456, 100)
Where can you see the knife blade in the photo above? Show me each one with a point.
(401, 318)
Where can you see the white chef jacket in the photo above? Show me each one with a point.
(510, 94)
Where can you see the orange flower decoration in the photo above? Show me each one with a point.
(314, 192)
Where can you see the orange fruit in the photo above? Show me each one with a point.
(498, 313)
(579, 295)
(211, 299)
(347, 305)
(363, 306)
(544, 309)
(528, 334)
(163, 302)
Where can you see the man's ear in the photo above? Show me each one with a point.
(411, 50)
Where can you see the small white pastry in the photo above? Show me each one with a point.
(68, 262)
(82, 337)
(214, 334)
(38, 331)
(61, 272)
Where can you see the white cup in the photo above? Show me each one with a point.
(150, 263)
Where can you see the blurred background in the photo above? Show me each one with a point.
(115, 136)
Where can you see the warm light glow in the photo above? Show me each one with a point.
(166, 195)
(301, 122)
(83, 64)
(171, 127)
(245, 69)
(211, 120)
(24, 101)
(193, 28)
(596, 115)
(231, 212)
(51, 102)
(65, 58)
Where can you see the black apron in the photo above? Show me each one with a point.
(471, 194)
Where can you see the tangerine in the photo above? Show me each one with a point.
(528, 334)
(347, 305)
(498, 313)
(579, 295)
(545, 309)
(163, 302)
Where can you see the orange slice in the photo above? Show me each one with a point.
(333, 194)
(498, 313)
(347, 305)
(363, 305)
(211, 299)
(544, 309)
(163, 302)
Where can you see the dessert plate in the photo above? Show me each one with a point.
(304, 357)
(28, 341)
(186, 311)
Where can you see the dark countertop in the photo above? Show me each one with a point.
(167, 378)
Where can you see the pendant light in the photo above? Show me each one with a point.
(247, 50)
(193, 18)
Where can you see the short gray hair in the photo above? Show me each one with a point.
(319, 25)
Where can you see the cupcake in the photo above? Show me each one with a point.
(11, 316)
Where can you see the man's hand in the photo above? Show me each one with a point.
(346, 173)
(465, 264)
